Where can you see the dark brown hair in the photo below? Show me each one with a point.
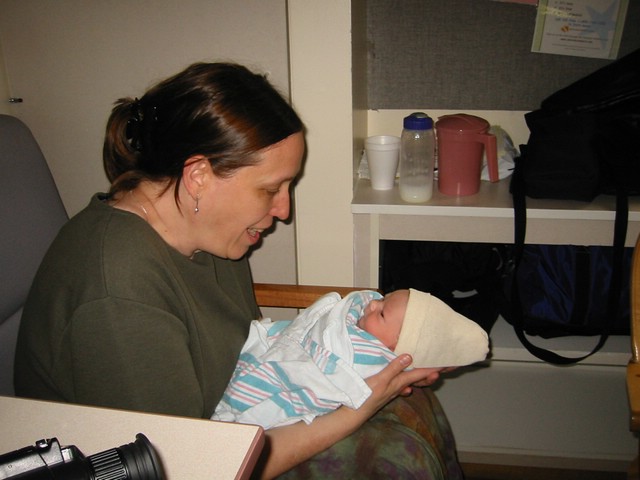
(222, 111)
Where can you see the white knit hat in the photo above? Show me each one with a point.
(437, 336)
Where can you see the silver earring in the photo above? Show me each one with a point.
(197, 209)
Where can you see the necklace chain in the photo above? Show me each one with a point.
(135, 199)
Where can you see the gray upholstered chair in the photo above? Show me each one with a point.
(31, 213)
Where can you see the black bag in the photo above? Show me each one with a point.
(564, 290)
(466, 276)
(584, 141)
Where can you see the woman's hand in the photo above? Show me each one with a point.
(430, 381)
(394, 380)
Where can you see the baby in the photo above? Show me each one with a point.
(296, 370)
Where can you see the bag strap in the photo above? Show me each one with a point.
(520, 226)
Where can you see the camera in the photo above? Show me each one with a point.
(47, 460)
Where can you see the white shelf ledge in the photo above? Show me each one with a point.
(493, 200)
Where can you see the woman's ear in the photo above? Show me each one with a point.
(196, 174)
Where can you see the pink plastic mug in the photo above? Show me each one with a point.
(462, 139)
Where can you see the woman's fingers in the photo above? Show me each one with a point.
(422, 377)
(396, 378)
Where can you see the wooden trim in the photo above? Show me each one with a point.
(294, 296)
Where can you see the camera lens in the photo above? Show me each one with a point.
(134, 461)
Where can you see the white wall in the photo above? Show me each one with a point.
(71, 59)
(76, 58)
(321, 90)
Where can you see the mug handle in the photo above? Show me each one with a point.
(491, 149)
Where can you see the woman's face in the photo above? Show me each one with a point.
(235, 211)
(383, 318)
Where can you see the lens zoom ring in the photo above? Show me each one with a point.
(108, 465)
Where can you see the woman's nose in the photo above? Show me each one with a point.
(281, 205)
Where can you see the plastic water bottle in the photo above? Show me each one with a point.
(417, 158)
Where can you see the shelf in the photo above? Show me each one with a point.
(493, 200)
(488, 217)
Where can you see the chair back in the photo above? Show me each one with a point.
(633, 367)
(635, 303)
(31, 213)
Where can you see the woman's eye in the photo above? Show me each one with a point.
(277, 189)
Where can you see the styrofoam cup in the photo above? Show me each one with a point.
(382, 157)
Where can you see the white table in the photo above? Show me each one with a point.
(190, 449)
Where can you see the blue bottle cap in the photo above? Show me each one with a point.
(418, 121)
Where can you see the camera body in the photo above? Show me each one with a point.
(47, 460)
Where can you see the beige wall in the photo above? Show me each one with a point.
(76, 58)
(321, 89)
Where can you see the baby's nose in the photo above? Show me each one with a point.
(373, 305)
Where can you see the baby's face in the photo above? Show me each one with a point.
(383, 318)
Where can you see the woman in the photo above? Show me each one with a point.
(144, 300)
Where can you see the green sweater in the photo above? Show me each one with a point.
(118, 318)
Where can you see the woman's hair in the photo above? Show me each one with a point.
(222, 111)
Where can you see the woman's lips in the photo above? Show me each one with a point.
(254, 234)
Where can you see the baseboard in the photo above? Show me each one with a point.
(474, 471)
(538, 461)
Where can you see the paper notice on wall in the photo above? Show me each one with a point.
(582, 28)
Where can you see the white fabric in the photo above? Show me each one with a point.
(291, 371)
(437, 336)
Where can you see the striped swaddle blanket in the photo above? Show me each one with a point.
(296, 370)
